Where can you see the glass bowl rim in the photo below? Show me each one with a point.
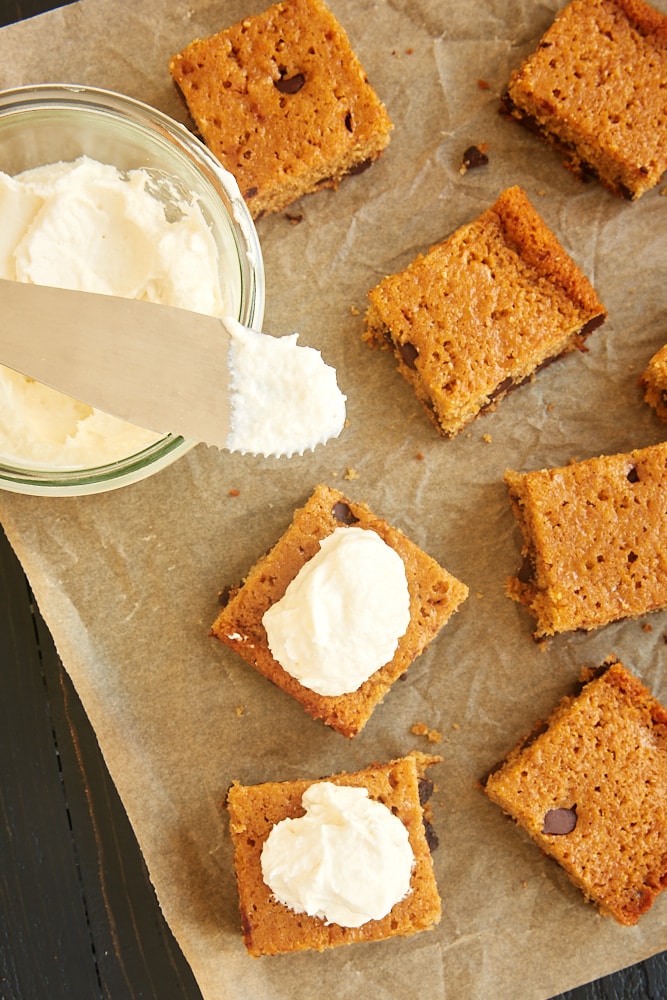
(75, 97)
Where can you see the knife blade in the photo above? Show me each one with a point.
(162, 368)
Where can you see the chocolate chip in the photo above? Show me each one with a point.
(342, 513)
(360, 168)
(473, 157)
(251, 191)
(224, 596)
(409, 353)
(431, 836)
(633, 475)
(348, 122)
(560, 821)
(591, 325)
(425, 786)
(289, 84)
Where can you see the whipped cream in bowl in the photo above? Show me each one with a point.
(100, 192)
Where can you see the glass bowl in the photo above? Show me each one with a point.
(52, 123)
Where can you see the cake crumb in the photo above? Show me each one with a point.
(487, 438)
(432, 735)
(351, 474)
(483, 85)
(240, 711)
(234, 492)
(354, 311)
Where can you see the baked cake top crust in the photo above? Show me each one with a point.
(590, 787)
(270, 927)
(482, 310)
(435, 594)
(597, 86)
(595, 539)
(283, 101)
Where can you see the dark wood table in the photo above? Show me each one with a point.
(78, 915)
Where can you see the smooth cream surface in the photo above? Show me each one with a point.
(348, 860)
(342, 616)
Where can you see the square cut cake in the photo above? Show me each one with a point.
(596, 89)
(590, 787)
(594, 540)
(270, 927)
(434, 595)
(283, 102)
(654, 379)
(482, 312)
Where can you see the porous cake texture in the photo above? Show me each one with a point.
(594, 540)
(269, 927)
(434, 596)
(596, 88)
(590, 787)
(283, 102)
(654, 379)
(482, 312)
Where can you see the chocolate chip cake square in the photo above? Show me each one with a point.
(654, 380)
(590, 787)
(271, 927)
(594, 540)
(434, 595)
(482, 312)
(283, 102)
(595, 89)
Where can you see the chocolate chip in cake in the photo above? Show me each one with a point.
(425, 790)
(431, 836)
(342, 513)
(409, 353)
(289, 84)
(633, 475)
(560, 821)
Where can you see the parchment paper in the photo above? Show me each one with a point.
(128, 581)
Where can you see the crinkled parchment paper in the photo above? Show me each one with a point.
(128, 581)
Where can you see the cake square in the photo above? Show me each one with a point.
(434, 595)
(594, 540)
(590, 787)
(654, 380)
(270, 927)
(283, 102)
(595, 89)
(482, 312)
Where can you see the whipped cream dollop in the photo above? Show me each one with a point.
(347, 860)
(284, 398)
(343, 614)
(86, 226)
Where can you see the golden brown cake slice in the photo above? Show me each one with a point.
(590, 787)
(433, 594)
(482, 312)
(271, 927)
(594, 540)
(596, 89)
(283, 102)
(654, 379)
